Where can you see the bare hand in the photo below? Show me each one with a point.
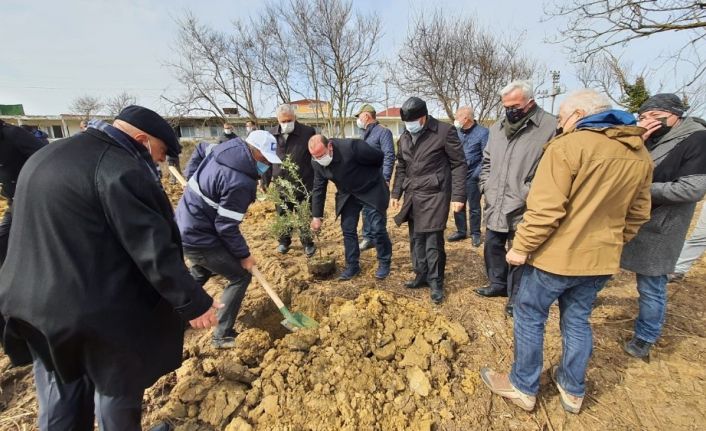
(651, 125)
(207, 319)
(457, 206)
(515, 258)
(316, 224)
(248, 263)
(394, 203)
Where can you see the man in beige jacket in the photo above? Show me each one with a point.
(590, 195)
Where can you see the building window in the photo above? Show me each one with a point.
(57, 132)
(214, 131)
(187, 131)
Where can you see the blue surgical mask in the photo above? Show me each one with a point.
(413, 126)
(262, 168)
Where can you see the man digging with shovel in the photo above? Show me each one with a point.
(209, 214)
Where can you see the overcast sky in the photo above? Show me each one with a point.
(54, 51)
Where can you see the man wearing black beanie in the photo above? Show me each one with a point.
(94, 288)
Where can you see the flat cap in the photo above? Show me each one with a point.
(413, 108)
(153, 124)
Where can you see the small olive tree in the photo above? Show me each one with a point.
(289, 194)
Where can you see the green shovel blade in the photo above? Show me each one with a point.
(297, 320)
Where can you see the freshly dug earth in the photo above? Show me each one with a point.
(385, 358)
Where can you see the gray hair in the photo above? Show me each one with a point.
(586, 99)
(525, 86)
(284, 108)
(466, 108)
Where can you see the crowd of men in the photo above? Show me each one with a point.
(568, 202)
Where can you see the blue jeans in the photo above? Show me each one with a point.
(473, 208)
(349, 225)
(218, 260)
(653, 306)
(538, 291)
(367, 223)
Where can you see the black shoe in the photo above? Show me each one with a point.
(476, 241)
(349, 273)
(223, 343)
(309, 250)
(437, 292)
(419, 281)
(456, 236)
(509, 310)
(638, 348)
(491, 291)
(383, 271)
(366, 244)
(282, 249)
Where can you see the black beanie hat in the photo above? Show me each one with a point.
(664, 102)
(413, 109)
(153, 124)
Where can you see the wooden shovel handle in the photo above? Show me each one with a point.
(256, 272)
(177, 175)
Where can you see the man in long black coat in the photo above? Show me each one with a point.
(355, 168)
(94, 288)
(431, 173)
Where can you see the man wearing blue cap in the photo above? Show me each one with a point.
(94, 289)
(209, 216)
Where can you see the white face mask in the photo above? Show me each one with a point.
(360, 123)
(413, 126)
(228, 131)
(458, 124)
(325, 160)
(287, 127)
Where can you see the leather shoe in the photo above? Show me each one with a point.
(309, 250)
(476, 241)
(383, 271)
(437, 293)
(638, 348)
(419, 281)
(282, 249)
(491, 291)
(366, 244)
(456, 236)
(349, 272)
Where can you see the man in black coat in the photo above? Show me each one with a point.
(355, 168)
(431, 173)
(16, 145)
(228, 133)
(94, 288)
(292, 140)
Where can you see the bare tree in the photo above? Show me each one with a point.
(86, 106)
(274, 47)
(119, 102)
(216, 69)
(592, 26)
(453, 61)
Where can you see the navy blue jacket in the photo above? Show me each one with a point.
(217, 198)
(473, 140)
(200, 153)
(380, 138)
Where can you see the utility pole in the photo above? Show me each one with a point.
(556, 89)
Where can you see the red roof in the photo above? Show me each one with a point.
(389, 112)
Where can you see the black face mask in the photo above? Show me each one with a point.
(515, 114)
(660, 132)
(558, 131)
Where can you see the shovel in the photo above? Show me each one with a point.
(292, 321)
(177, 175)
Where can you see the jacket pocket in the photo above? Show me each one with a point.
(658, 219)
(426, 183)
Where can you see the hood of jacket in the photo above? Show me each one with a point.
(236, 155)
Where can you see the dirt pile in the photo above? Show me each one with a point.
(377, 362)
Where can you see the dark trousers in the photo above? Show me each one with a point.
(72, 406)
(350, 214)
(5, 233)
(496, 267)
(218, 260)
(473, 208)
(304, 235)
(428, 253)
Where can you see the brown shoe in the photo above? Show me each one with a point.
(499, 384)
(571, 403)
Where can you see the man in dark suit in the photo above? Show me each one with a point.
(355, 168)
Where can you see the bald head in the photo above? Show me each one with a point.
(318, 144)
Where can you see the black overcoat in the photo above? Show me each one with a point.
(94, 280)
(295, 146)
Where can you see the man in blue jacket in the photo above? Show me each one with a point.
(380, 138)
(209, 216)
(473, 136)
